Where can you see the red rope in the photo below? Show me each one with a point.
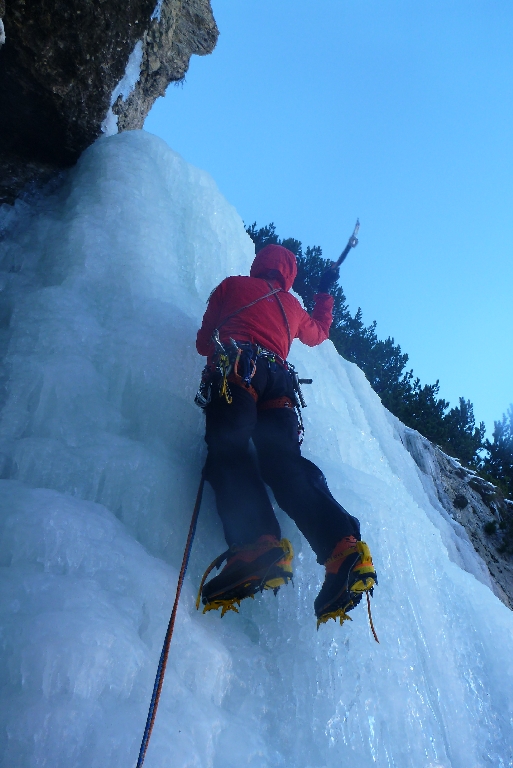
(370, 618)
(161, 670)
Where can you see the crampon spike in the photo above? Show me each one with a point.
(340, 613)
(233, 604)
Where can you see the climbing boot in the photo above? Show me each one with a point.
(251, 568)
(349, 573)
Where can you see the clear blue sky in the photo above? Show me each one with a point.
(399, 112)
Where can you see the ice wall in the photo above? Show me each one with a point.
(103, 285)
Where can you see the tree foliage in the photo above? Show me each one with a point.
(499, 460)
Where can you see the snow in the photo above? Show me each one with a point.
(103, 285)
(124, 88)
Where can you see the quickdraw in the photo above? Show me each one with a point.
(225, 368)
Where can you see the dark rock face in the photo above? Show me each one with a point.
(471, 502)
(61, 61)
(184, 28)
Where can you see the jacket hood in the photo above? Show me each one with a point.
(278, 258)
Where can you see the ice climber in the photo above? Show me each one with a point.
(249, 393)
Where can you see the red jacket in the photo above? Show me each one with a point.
(264, 323)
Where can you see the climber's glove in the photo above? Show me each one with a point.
(328, 279)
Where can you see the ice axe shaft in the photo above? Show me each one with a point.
(351, 243)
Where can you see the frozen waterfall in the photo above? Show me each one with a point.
(103, 285)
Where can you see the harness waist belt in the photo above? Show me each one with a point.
(278, 402)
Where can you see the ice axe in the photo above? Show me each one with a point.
(351, 243)
(330, 277)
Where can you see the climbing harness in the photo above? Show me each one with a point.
(235, 363)
(161, 669)
(225, 363)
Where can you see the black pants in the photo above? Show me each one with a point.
(238, 480)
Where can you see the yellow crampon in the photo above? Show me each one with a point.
(340, 613)
(233, 603)
(225, 605)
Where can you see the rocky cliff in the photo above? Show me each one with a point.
(476, 507)
(60, 63)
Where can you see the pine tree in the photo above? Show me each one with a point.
(263, 236)
(499, 462)
(464, 439)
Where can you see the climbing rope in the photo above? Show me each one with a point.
(161, 669)
(370, 618)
